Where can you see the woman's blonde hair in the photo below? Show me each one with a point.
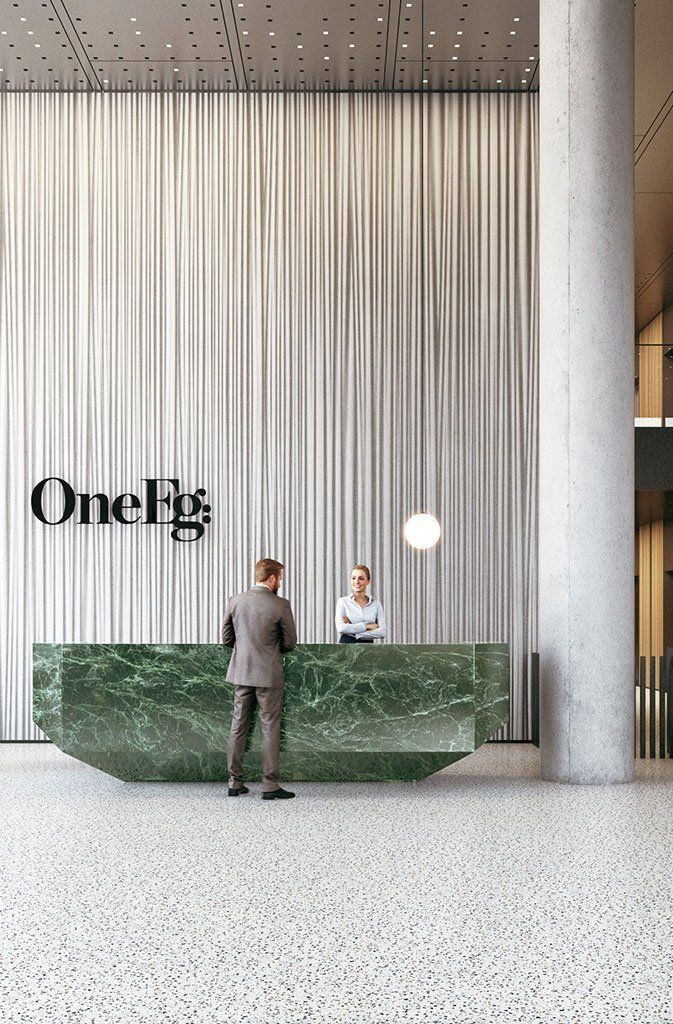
(364, 569)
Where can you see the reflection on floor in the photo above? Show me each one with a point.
(479, 895)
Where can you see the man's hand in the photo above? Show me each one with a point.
(346, 619)
(372, 625)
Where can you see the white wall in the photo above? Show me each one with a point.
(225, 288)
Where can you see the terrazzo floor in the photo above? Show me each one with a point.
(480, 895)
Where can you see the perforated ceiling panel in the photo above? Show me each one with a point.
(277, 45)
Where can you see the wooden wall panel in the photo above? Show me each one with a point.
(644, 627)
(651, 589)
(650, 368)
(657, 587)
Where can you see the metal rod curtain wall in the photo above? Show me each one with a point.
(654, 707)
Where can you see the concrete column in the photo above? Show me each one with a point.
(586, 391)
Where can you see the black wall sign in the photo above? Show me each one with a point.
(189, 513)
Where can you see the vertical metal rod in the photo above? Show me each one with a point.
(643, 669)
(662, 708)
(635, 701)
(666, 713)
(653, 707)
(423, 363)
(669, 716)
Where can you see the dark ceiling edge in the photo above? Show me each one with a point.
(272, 92)
(63, 15)
(235, 47)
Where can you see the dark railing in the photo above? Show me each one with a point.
(535, 698)
(654, 707)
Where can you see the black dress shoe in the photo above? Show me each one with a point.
(278, 794)
(238, 791)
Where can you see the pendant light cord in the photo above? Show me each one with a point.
(422, 260)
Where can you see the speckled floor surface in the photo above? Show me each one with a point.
(481, 895)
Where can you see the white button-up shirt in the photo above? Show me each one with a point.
(359, 617)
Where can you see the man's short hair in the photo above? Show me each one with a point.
(267, 567)
(364, 569)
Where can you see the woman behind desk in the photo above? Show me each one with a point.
(360, 618)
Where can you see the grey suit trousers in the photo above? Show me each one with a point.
(269, 699)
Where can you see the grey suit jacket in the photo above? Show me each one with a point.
(260, 627)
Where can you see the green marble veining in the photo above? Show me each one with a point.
(351, 712)
(47, 689)
(491, 691)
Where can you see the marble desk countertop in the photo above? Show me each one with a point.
(351, 712)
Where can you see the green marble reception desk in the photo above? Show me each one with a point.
(351, 712)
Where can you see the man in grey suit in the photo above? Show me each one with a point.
(259, 625)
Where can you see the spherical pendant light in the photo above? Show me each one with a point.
(422, 531)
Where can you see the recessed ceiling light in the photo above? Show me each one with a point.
(325, 58)
(23, 19)
(523, 81)
(325, 32)
(459, 32)
(455, 57)
(526, 69)
(352, 46)
(404, 46)
(37, 46)
(30, 33)
(300, 46)
(379, 19)
(169, 46)
(137, 32)
(430, 45)
(517, 19)
(134, 19)
(245, 31)
(176, 69)
(272, 33)
(498, 81)
(456, 46)
(512, 32)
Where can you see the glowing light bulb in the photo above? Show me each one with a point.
(422, 531)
